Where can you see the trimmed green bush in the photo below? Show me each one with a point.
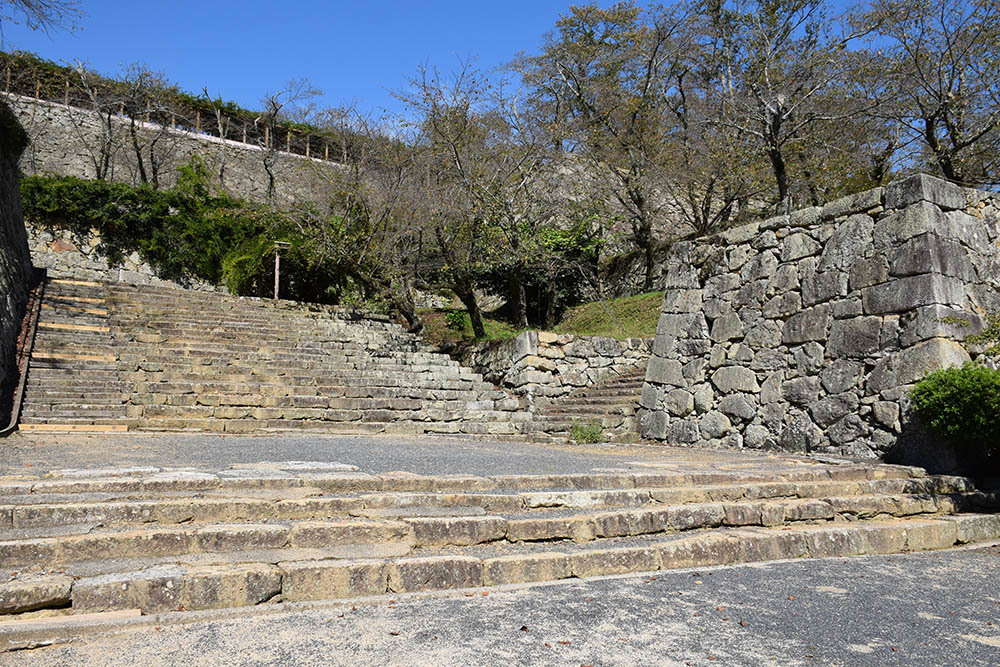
(962, 405)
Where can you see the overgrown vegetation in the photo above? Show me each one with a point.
(962, 405)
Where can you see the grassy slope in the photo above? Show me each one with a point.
(627, 317)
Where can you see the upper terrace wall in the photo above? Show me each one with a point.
(804, 332)
(64, 138)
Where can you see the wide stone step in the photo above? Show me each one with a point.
(234, 580)
(156, 502)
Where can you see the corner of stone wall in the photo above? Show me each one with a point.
(805, 332)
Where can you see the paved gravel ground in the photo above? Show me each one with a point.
(938, 608)
(21, 454)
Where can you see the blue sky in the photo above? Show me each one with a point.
(352, 51)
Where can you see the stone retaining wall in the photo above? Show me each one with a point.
(805, 332)
(67, 255)
(65, 139)
(541, 366)
(15, 262)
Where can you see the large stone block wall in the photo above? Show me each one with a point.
(15, 263)
(805, 332)
(67, 255)
(63, 141)
(541, 366)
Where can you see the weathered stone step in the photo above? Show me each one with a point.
(529, 516)
(277, 476)
(398, 537)
(205, 586)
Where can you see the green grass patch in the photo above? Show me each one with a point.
(450, 326)
(586, 434)
(627, 317)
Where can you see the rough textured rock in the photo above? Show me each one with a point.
(15, 262)
(819, 322)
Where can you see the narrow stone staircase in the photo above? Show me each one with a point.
(150, 540)
(611, 404)
(116, 357)
(73, 378)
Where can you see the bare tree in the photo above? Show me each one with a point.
(291, 100)
(941, 59)
(44, 15)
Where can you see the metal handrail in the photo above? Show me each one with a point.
(25, 345)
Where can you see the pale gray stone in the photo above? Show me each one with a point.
(800, 391)
(665, 371)
(800, 434)
(929, 253)
(905, 294)
(841, 375)
(823, 286)
(810, 324)
(797, 246)
(857, 203)
(714, 425)
(851, 239)
(828, 410)
(760, 267)
(922, 187)
(683, 432)
(737, 406)
(887, 414)
(910, 365)
(855, 338)
(727, 327)
(704, 397)
(783, 305)
(809, 358)
(937, 321)
(735, 378)
(679, 402)
(847, 430)
(757, 437)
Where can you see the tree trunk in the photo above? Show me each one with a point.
(468, 298)
(551, 297)
(780, 174)
(518, 300)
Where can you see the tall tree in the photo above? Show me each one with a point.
(941, 61)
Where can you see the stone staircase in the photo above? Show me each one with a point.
(117, 357)
(611, 403)
(151, 540)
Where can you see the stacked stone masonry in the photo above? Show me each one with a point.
(15, 263)
(67, 141)
(66, 255)
(541, 366)
(805, 332)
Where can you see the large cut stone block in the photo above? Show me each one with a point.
(854, 338)
(905, 294)
(921, 187)
(810, 324)
(908, 366)
(333, 580)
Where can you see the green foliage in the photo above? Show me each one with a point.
(962, 404)
(189, 232)
(989, 336)
(456, 320)
(586, 434)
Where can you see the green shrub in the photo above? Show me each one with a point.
(455, 320)
(586, 434)
(963, 405)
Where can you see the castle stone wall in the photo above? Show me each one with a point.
(65, 141)
(805, 332)
(15, 263)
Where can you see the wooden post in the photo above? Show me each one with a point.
(307, 145)
(147, 111)
(173, 121)
(267, 136)
(8, 77)
(38, 88)
(326, 150)
(66, 95)
(244, 131)
(288, 141)
(197, 122)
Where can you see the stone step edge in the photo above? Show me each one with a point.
(166, 510)
(248, 585)
(190, 480)
(404, 534)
